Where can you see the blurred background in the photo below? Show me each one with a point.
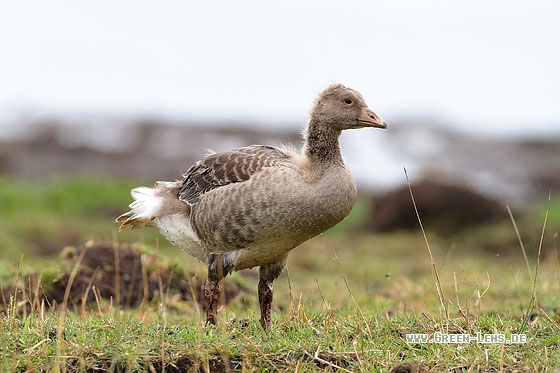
(134, 90)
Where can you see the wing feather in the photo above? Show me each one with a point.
(225, 168)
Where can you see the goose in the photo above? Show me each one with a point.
(249, 207)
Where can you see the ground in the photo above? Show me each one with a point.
(346, 302)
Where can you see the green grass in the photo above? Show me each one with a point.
(342, 338)
(345, 303)
(45, 216)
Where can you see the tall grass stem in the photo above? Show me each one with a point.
(439, 288)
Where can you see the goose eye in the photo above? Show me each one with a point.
(347, 101)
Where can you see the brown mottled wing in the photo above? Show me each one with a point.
(225, 168)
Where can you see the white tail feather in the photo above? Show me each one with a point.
(143, 209)
(146, 204)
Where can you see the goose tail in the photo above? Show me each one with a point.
(143, 210)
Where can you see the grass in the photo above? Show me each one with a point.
(321, 339)
(345, 303)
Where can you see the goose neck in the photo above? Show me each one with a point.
(322, 143)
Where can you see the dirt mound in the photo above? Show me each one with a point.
(215, 363)
(122, 273)
(443, 208)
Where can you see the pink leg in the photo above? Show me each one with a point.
(268, 274)
(212, 292)
(266, 292)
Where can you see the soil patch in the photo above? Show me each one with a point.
(410, 368)
(219, 364)
(123, 274)
(444, 208)
(185, 364)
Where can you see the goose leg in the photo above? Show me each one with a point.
(212, 292)
(213, 288)
(268, 274)
(266, 293)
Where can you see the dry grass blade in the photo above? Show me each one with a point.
(31, 350)
(459, 308)
(533, 300)
(62, 310)
(290, 295)
(117, 274)
(90, 285)
(262, 354)
(323, 361)
(439, 289)
(550, 319)
(352, 297)
(357, 307)
(325, 303)
(479, 295)
(519, 239)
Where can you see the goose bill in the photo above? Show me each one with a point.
(369, 119)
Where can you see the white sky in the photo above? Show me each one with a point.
(487, 66)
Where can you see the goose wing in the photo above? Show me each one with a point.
(228, 167)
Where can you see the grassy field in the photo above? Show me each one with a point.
(346, 302)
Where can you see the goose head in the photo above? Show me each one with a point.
(343, 108)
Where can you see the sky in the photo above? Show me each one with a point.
(488, 67)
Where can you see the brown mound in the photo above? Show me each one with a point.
(410, 368)
(138, 277)
(442, 207)
(184, 364)
(323, 361)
